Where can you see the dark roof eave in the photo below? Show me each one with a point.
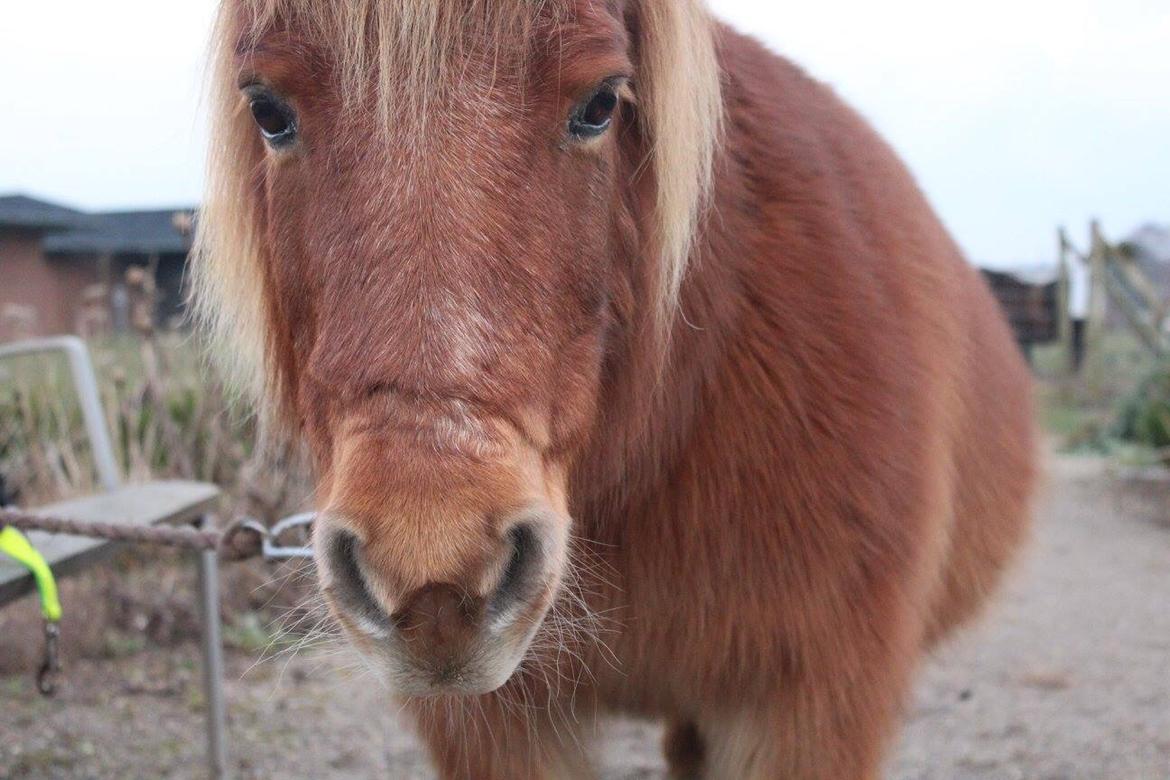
(74, 247)
(39, 226)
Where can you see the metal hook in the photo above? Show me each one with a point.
(274, 550)
(47, 674)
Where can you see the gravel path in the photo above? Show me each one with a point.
(1069, 675)
(1068, 678)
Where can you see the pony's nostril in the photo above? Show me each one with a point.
(520, 581)
(348, 583)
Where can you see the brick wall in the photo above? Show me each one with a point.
(52, 288)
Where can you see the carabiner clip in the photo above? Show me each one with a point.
(51, 667)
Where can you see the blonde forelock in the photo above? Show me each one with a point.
(417, 43)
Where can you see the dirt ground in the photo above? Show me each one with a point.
(1067, 678)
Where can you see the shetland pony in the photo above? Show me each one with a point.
(637, 373)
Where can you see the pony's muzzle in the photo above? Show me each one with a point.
(442, 637)
(442, 621)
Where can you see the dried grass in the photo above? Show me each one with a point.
(168, 415)
(169, 418)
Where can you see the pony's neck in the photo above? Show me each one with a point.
(653, 393)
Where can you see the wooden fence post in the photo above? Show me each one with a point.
(1062, 301)
(1098, 311)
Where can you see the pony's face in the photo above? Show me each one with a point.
(428, 226)
(440, 247)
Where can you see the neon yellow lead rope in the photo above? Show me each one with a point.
(15, 544)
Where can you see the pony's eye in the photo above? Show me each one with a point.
(274, 118)
(594, 116)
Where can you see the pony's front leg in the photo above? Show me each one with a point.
(498, 737)
(768, 746)
(828, 728)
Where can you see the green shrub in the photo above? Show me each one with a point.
(1145, 415)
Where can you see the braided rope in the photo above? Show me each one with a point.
(240, 540)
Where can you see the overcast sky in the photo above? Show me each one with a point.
(1016, 115)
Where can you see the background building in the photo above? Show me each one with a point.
(65, 271)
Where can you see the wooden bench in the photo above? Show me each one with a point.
(154, 503)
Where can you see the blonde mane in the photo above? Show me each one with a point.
(678, 95)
